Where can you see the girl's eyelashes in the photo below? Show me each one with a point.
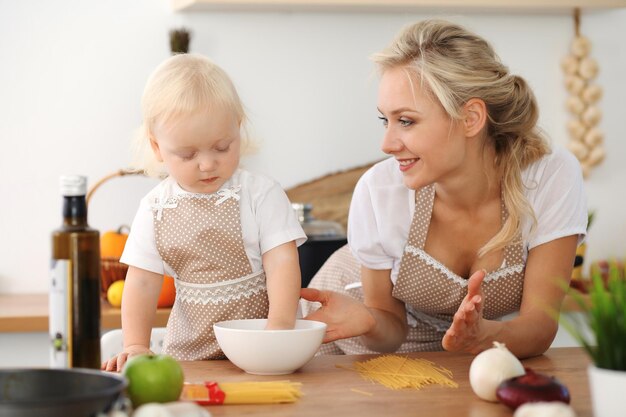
(223, 148)
(187, 156)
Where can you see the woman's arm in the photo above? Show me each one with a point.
(139, 303)
(282, 272)
(380, 320)
(530, 333)
(389, 313)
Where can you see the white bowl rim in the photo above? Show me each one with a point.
(317, 325)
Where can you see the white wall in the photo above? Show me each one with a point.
(72, 73)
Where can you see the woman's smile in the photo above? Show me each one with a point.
(406, 164)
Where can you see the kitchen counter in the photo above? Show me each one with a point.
(331, 390)
(29, 313)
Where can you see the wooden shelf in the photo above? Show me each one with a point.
(391, 5)
(29, 313)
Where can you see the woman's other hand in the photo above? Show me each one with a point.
(344, 316)
(116, 363)
(465, 333)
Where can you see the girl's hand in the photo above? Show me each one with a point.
(116, 363)
(465, 333)
(344, 316)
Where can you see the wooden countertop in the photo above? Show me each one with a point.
(332, 391)
(29, 313)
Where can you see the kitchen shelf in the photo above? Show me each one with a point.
(391, 5)
(21, 313)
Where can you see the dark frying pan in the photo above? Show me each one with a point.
(57, 392)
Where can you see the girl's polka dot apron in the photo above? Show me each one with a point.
(199, 236)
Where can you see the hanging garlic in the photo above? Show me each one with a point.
(586, 140)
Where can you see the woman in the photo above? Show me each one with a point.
(473, 217)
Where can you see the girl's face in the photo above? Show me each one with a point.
(427, 144)
(200, 150)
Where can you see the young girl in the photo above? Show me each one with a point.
(229, 237)
(472, 218)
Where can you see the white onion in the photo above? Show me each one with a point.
(490, 367)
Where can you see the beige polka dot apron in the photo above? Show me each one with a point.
(432, 293)
(199, 236)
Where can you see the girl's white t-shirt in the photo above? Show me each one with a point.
(382, 209)
(267, 221)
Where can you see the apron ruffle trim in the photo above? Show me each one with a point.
(221, 292)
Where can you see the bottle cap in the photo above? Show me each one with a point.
(73, 185)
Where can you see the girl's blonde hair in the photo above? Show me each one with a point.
(181, 85)
(456, 65)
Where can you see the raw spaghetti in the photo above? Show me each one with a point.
(397, 372)
(269, 392)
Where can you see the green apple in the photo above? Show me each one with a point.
(153, 378)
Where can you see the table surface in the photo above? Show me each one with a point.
(331, 390)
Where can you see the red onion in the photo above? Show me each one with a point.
(531, 387)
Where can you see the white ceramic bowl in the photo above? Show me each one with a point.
(269, 352)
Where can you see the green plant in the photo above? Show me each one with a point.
(604, 314)
(179, 40)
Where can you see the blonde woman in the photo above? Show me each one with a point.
(472, 218)
(227, 235)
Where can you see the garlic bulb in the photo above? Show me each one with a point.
(581, 46)
(545, 409)
(591, 116)
(569, 64)
(490, 367)
(588, 68)
(591, 93)
(593, 137)
(574, 84)
(575, 105)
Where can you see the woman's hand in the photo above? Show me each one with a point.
(116, 363)
(344, 316)
(465, 334)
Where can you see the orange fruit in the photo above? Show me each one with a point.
(114, 293)
(168, 292)
(112, 243)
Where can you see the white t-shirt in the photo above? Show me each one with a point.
(382, 209)
(267, 221)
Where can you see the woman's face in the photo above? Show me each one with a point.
(427, 144)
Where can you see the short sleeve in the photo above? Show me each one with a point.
(140, 250)
(559, 202)
(277, 220)
(364, 234)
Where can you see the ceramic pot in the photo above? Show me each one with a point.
(607, 391)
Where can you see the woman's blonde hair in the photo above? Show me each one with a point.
(456, 65)
(181, 85)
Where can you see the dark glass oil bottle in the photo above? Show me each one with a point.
(75, 283)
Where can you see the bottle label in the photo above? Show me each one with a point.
(60, 314)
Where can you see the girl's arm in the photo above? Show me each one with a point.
(530, 333)
(139, 302)
(282, 272)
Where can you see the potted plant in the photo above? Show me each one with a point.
(602, 333)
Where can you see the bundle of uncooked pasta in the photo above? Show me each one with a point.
(586, 140)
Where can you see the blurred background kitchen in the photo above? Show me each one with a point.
(72, 74)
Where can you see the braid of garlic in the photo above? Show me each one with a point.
(586, 140)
